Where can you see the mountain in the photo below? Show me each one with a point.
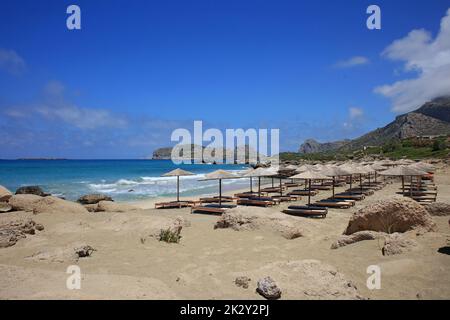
(431, 119)
(312, 146)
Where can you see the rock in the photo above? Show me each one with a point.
(32, 190)
(247, 218)
(5, 207)
(93, 198)
(5, 194)
(84, 251)
(70, 253)
(396, 244)
(111, 206)
(345, 240)
(23, 202)
(308, 279)
(39, 227)
(438, 209)
(13, 231)
(91, 207)
(50, 204)
(242, 282)
(268, 288)
(397, 214)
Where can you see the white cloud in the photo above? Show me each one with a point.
(429, 58)
(355, 112)
(58, 108)
(11, 62)
(352, 62)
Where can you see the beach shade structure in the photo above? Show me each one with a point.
(261, 172)
(178, 173)
(334, 172)
(243, 175)
(403, 171)
(423, 166)
(309, 175)
(353, 168)
(219, 175)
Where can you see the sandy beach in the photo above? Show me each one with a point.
(128, 264)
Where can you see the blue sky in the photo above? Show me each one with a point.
(139, 69)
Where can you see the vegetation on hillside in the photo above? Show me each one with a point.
(412, 148)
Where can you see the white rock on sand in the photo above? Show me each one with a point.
(397, 214)
(5, 194)
(37, 204)
(345, 240)
(308, 279)
(247, 218)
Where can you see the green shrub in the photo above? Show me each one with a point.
(170, 236)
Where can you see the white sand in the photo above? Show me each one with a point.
(206, 261)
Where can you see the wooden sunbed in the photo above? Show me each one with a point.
(175, 204)
(351, 196)
(333, 204)
(307, 211)
(302, 192)
(215, 199)
(211, 209)
(252, 202)
(365, 191)
(285, 198)
(246, 194)
(272, 190)
(291, 185)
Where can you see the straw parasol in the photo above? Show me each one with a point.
(310, 175)
(423, 166)
(219, 175)
(403, 171)
(261, 172)
(177, 173)
(334, 172)
(243, 174)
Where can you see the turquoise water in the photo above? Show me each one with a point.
(122, 179)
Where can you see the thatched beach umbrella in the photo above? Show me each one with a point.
(219, 175)
(422, 166)
(310, 175)
(261, 172)
(178, 173)
(243, 174)
(334, 172)
(403, 171)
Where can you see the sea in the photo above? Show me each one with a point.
(123, 180)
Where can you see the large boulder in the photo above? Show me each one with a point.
(397, 214)
(36, 204)
(13, 231)
(5, 194)
(32, 190)
(23, 202)
(438, 209)
(93, 198)
(111, 206)
(247, 218)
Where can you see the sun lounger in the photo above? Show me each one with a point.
(272, 199)
(351, 196)
(291, 185)
(246, 194)
(285, 198)
(252, 202)
(333, 204)
(302, 192)
(175, 204)
(307, 211)
(215, 199)
(212, 208)
(272, 190)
